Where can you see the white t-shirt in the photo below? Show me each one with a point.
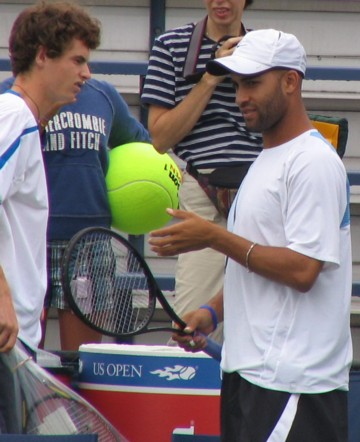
(295, 196)
(23, 213)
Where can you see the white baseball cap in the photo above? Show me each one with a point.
(260, 51)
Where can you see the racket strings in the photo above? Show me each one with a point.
(58, 415)
(51, 408)
(109, 285)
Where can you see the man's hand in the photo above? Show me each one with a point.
(227, 47)
(9, 328)
(191, 233)
(197, 320)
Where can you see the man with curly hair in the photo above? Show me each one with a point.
(49, 48)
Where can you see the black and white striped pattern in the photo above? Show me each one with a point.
(220, 136)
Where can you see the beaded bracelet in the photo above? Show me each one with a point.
(248, 256)
(213, 314)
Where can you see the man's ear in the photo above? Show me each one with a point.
(41, 55)
(292, 81)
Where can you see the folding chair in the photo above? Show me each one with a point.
(333, 129)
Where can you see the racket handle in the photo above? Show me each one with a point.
(213, 349)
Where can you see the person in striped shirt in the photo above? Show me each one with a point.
(195, 114)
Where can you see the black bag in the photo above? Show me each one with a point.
(229, 177)
(221, 185)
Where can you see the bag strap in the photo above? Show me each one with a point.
(194, 47)
(191, 170)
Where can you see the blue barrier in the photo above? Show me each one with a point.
(139, 68)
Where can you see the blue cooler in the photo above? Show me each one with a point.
(147, 392)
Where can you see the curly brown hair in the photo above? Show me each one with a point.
(52, 26)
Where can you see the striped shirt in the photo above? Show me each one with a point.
(220, 137)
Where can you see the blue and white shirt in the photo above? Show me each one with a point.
(23, 213)
(295, 195)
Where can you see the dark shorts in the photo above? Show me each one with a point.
(253, 414)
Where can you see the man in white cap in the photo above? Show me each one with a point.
(286, 298)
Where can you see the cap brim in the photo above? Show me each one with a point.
(235, 65)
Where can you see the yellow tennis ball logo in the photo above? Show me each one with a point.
(141, 185)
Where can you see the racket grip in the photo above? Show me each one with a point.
(212, 348)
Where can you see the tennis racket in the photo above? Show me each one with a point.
(110, 287)
(43, 405)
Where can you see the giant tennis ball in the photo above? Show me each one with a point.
(141, 184)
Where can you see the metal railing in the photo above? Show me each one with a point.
(138, 68)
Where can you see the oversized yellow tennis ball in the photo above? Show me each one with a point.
(141, 184)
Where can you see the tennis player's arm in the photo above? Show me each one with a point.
(278, 264)
(9, 328)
